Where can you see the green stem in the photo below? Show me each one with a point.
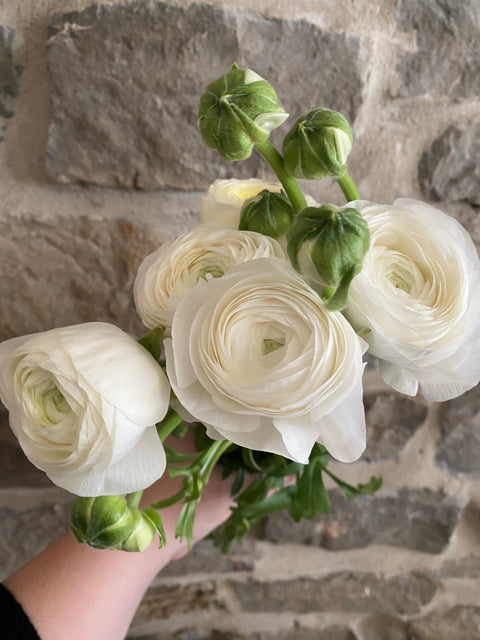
(168, 424)
(348, 187)
(214, 453)
(133, 499)
(289, 183)
(167, 502)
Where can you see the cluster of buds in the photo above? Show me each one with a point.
(326, 244)
(109, 522)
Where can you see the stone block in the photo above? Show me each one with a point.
(297, 633)
(458, 448)
(205, 558)
(10, 73)
(446, 62)
(342, 591)
(461, 621)
(126, 81)
(24, 533)
(392, 420)
(165, 601)
(15, 469)
(416, 519)
(449, 170)
(65, 271)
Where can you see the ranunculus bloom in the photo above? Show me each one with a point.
(418, 298)
(224, 199)
(255, 356)
(165, 276)
(83, 403)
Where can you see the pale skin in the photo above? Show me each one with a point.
(73, 591)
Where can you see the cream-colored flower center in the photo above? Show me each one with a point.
(203, 272)
(49, 403)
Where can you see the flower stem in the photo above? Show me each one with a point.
(214, 452)
(167, 502)
(133, 499)
(289, 183)
(348, 187)
(168, 424)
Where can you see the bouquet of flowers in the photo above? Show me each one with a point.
(258, 320)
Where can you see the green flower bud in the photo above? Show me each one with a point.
(103, 523)
(108, 522)
(318, 145)
(268, 213)
(327, 245)
(236, 111)
(142, 534)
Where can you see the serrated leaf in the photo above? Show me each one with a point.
(310, 497)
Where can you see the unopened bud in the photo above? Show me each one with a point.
(327, 246)
(107, 522)
(268, 213)
(318, 145)
(103, 523)
(236, 111)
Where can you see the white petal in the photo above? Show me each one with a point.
(140, 468)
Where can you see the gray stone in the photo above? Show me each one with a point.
(449, 170)
(142, 67)
(15, 469)
(381, 627)
(205, 558)
(25, 533)
(342, 591)
(297, 633)
(165, 601)
(467, 567)
(10, 72)
(446, 62)
(392, 420)
(65, 271)
(417, 519)
(458, 448)
(461, 622)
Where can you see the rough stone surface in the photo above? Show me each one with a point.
(15, 469)
(458, 622)
(165, 601)
(467, 567)
(446, 62)
(458, 448)
(345, 591)
(383, 628)
(10, 72)
(133, 124)
(449, 170)
(25, 533)
(205, 558)
(60, 272)
(392, 420)
(297, 633)
(417, 519)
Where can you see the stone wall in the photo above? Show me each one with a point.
(100, 162)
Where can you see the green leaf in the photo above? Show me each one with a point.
(351, 491)
(310, 496)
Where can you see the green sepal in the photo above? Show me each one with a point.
(156, 521)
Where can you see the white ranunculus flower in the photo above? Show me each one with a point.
(418, 296)
(166, 276)
(255, 356)
(83, 403)
(224, 199)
